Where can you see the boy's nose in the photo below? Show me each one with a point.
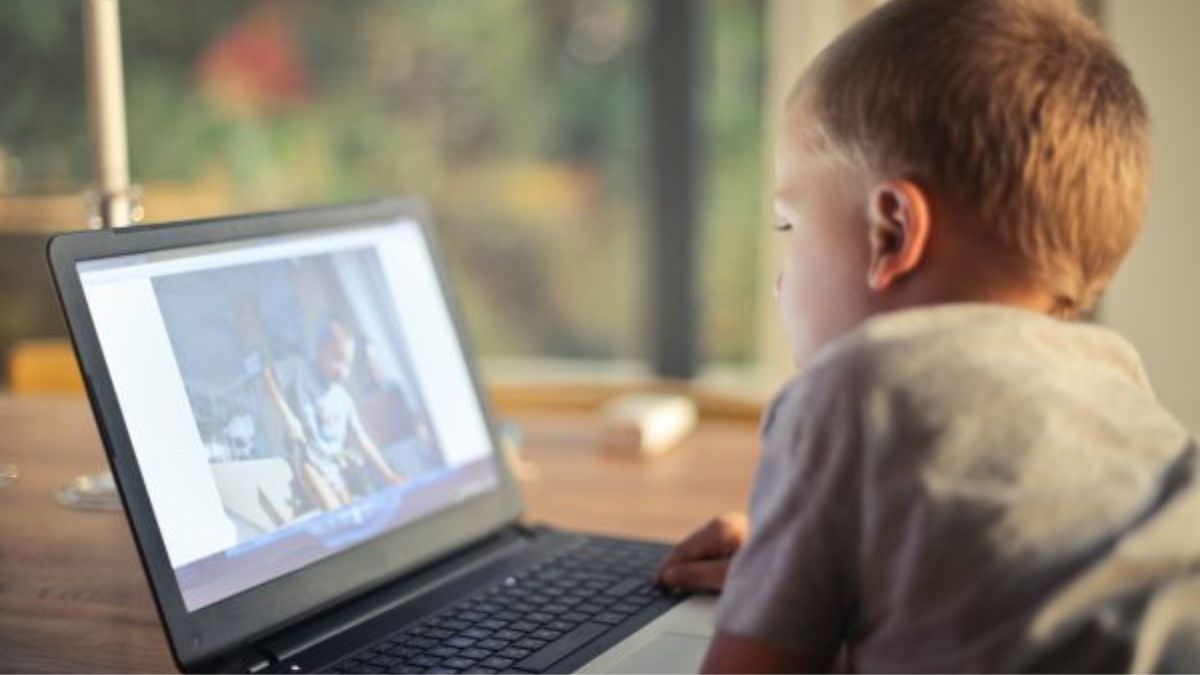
(776, 285)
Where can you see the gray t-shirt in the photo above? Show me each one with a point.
(973, 488)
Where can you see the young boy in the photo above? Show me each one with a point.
(962, 478)
(321, 419)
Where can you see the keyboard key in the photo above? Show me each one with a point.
(523, 626)
(477, 633)
(572, 617)
(492, 644)
(509, 634)
(555, 651)
(444, 652)
(460, 642)
(531, 644)
(425, 660)
(459, 663)
(476, 653)
(425, 642)
(609, 617)
(454, 624)
(514, 653)
(497, 662)
(547, 635)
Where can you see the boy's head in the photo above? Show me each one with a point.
(940, 150)
(335, 351)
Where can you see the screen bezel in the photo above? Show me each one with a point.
(201, 636)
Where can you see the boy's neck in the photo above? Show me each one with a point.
(968, 269)
(1029, 298)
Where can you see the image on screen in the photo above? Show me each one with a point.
(300, 385)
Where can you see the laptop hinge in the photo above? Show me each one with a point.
(247, 660)
(259, 665)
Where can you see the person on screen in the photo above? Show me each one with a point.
(321, 419)
(392, 416)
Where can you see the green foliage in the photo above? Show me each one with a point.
(732, 215)
(521, 121)
(43, 114)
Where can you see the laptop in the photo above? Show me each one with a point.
(310, 468)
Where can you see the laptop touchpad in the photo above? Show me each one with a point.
(666, 653)
(673, 643)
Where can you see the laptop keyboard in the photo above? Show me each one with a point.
(531, 620)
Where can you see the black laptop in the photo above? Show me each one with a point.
(308, 463)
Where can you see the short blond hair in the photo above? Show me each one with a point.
(1018, 113)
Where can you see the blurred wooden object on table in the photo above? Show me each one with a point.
(44, 366)
(32, 321)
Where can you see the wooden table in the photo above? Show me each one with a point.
(73, 597)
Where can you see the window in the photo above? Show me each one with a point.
(523, 123)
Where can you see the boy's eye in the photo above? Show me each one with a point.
(782, 226)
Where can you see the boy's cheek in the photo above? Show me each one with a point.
(817, 304)
(801, 318)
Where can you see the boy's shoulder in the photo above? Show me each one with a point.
(931, 350)
(934, 369)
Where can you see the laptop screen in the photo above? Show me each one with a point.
(288, 397)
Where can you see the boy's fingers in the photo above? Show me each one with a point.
(693, 547)
(719, 537)
(706, 575)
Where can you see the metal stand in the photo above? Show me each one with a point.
(114, 203)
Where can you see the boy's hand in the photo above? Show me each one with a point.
(701, 561)
(293, 428)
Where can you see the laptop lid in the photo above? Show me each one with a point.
(289, 407)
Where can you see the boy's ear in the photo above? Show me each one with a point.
(899, 224)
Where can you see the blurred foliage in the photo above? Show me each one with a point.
(522, 122)
(43, 114)
(732, 215)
